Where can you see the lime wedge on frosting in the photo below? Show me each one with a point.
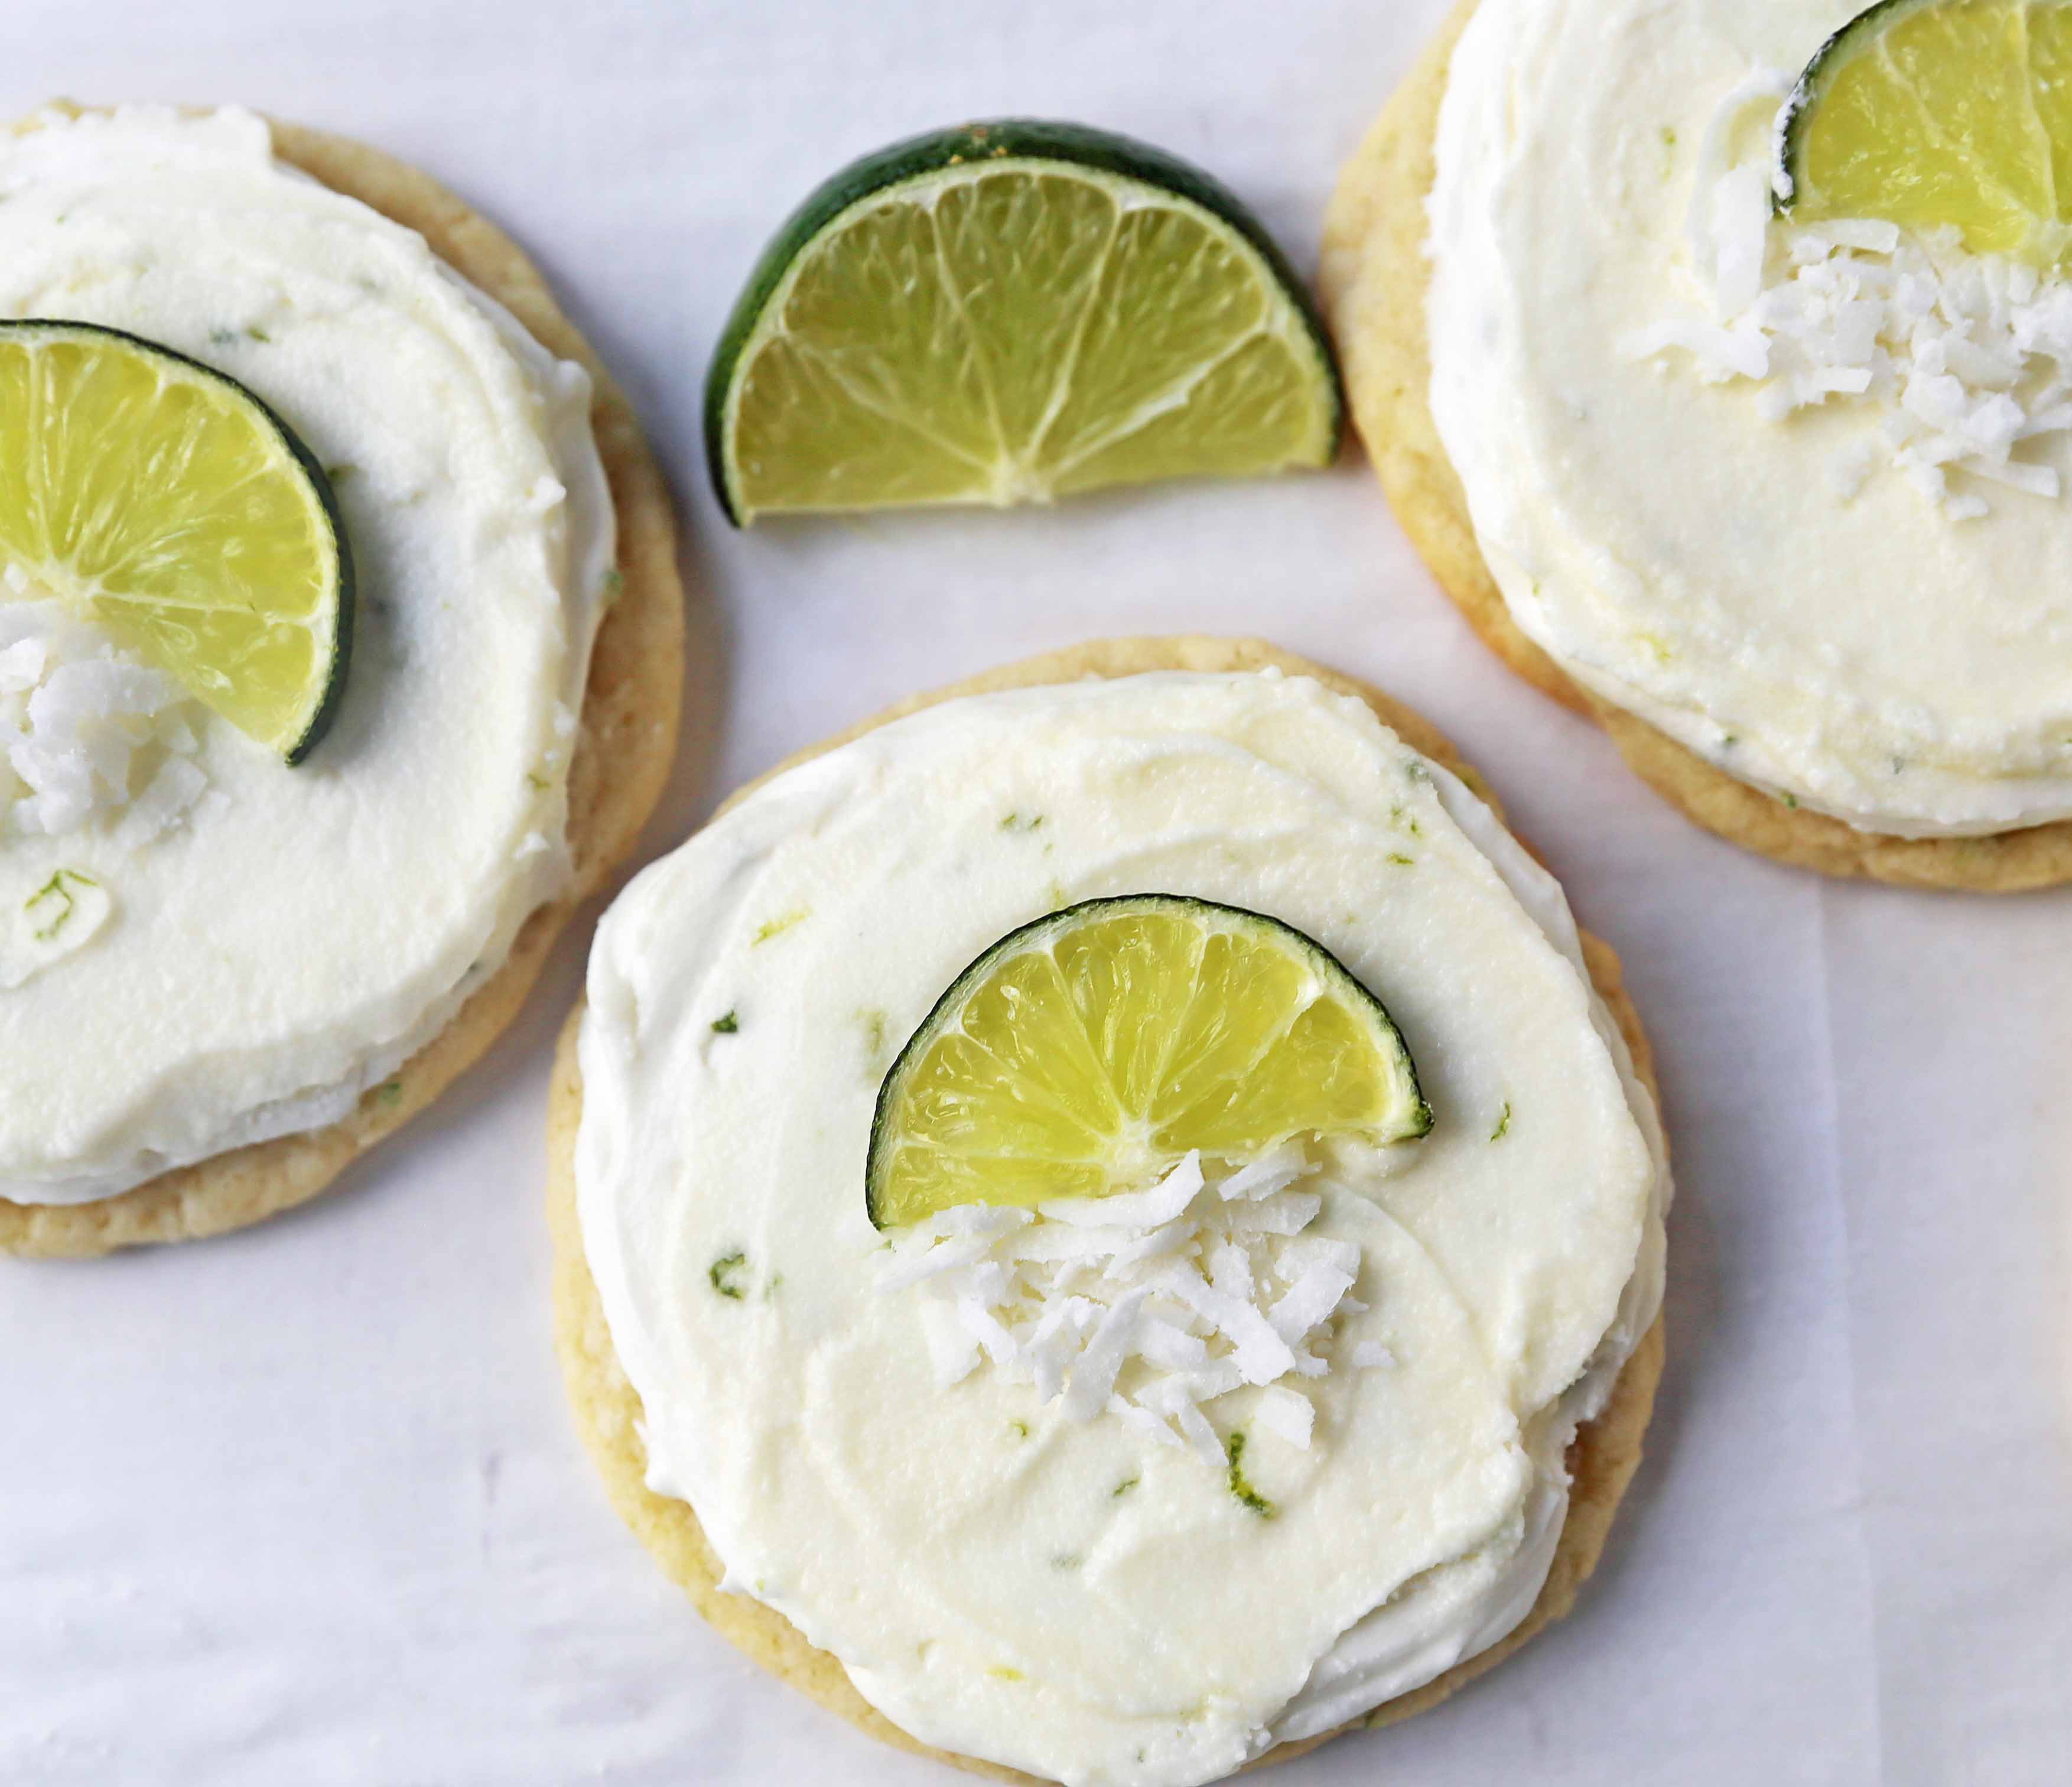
(163, 501)
(1941, 114)
(1012, 312)
(1087, 1052)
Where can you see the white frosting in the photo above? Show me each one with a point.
(299, 934)
(1083, 1599)
(1841, 642)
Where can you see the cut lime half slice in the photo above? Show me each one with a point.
(163, 500)
(1940, 114)
(1087, 1052)
(1013, 312)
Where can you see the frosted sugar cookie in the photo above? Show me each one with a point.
(244, 938)
(1768, 478)
(1312, 1391)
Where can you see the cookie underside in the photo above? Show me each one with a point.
(1601, 1461)
(1374, 276)
(623, 756)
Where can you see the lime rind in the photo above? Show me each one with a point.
(895, 172)
(335, 627)
(1409, 1114)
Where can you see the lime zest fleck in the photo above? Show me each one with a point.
(727, 1025)
(877, 1025)
(1124, 1487)
(1016, 822)
(258, 334)
(613, 583)
(722, 1272)
(775, 927)
(390, 1092)
(1234, 1451)
(1399, 858)
(1790, 801)
(58, 887)
(1502, 1123)
(1003, 1672)
(1020, 1429)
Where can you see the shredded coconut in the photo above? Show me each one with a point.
(1146, 1305)
(1964, 357)
(86, 729)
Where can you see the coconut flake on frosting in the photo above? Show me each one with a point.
(86, 729)
(1964, 357)
(1146, 1305)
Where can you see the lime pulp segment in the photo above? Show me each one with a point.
(1941, 114)
(165, 502)
(1014, 313)
(1085, 1053)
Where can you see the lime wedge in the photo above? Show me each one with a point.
(165, 502)
(1008, 313)
(1088, 1052)
(1941, 114)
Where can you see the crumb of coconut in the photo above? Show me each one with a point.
(1964, 359)
(1147, 1306)
(87, 732)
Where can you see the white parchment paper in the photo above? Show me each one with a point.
(303, 1506)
